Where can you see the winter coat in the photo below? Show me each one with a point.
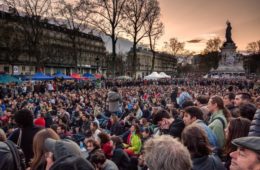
(217, 126)
(26, 141)
(135, 143)
(70, 162)
(114, 101)
(121, 159)
(210, 162)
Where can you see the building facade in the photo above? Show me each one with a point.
(29, 45)
(163, 62)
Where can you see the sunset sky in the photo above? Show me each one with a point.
(201, 20)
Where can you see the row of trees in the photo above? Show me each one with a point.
(134, 19)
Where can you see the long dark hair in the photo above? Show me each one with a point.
(238, 127)
(195, 139)
(220, 103)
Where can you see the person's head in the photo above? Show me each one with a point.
(191, 114)
(146, 132)
(237, 127)
(24, 118)
(242, 98)
(161, 118)
(38, 143)
(113, 119)
(201, 100)
(135, 128)
(104, 137)
(247, 155)
(2, 135)
(229, 99)
(247, 110)
(117, 141)
(114, 89)
(91, 144)
(195, 139)
(61, 129)
(215, 104)
(172, 154)
(93, 126)
(98, 159)
(187, 103)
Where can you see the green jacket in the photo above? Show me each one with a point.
(217, 127)
(135, 144)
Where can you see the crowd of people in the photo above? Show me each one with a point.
(177, 124)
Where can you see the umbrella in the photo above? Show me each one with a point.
(89, 75)
(5, 79)
(61, 75)
(41, 76)
(98, 76)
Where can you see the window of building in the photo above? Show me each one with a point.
(23, 68)
(6, 69)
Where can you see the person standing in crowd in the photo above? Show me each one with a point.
(247, 111)
(202, 102)
(242, 98)
(219, 118)
(184, 96)
(237, 127)
(195, 139)
(247, 155)
(193, 115)
(114, 101)
(23, 136)
(229, 100)
(166, 153)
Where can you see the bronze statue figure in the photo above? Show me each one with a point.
(228, 33)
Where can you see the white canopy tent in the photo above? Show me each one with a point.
(153, 76)
(163, 75)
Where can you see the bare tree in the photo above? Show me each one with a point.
(137, 13)
(212, 45)
(34, 12)
(154, 27)
(174, 47)
(107, 17)
(73, 15)
(254, 47)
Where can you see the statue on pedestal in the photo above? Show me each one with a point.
(228, 33)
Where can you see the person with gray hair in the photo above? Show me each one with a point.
(164, 153)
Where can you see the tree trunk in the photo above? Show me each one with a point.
(134, 60)
(153, 61)
(113, 54)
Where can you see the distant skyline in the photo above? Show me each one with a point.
(196, 21)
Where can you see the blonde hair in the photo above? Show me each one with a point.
(38, 142)
(2, 135)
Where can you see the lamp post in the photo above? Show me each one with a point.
(97, 62)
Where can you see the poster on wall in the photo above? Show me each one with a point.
(16, 70)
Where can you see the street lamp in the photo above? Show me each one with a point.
(97, 61)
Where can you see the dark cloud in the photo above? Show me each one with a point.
(194, 41)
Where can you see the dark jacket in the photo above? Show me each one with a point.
(70, 162)
(255, 125)
(210, 162)
(175, 128)
(121, 159)
(117, 129)
(7, 162)
(26, 141)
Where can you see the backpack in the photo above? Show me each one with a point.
(17, 154)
